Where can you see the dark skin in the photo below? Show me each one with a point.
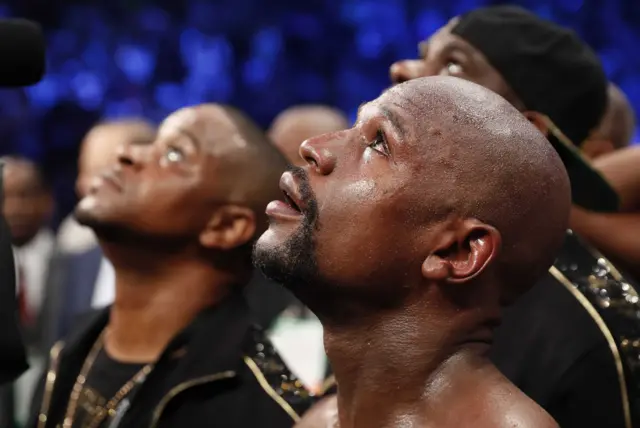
(446, 54)
(404, 238)
(28, 202)
(615, 234)
(99, 147)
(296, 124)
(176, 226)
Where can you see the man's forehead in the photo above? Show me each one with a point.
(193, 120)
(437, 106)
(397, 102)
(187, 118)
(109, 135)
(207, 123)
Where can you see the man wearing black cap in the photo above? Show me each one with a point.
(569, 342)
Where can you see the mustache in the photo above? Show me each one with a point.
(306, 193)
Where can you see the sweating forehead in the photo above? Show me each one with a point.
(454, 107)
(210, 125)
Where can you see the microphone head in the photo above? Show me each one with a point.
(22, 53)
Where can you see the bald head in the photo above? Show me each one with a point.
(440, 180)
(99, 147)
(296, 124)
(485, 161)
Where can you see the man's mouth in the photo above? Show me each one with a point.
(108, 178)
(291, 206)
(291, 202)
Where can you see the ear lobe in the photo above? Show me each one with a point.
(538, 121)
(436, 268)
(230, 227)
(463, 254)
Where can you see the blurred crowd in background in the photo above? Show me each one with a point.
(147, 58)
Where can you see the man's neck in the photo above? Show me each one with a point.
(157, 296)
(399, 359)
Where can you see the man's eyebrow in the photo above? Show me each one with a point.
(190, 136)
(142, 141)
(392, 117)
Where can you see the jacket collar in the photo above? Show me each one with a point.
(214, 342)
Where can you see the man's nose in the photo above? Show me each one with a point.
(406, 70)
(319, 154)
(132, 154)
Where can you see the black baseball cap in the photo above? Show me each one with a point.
(553, 73)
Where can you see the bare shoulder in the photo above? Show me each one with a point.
(620, 168)
(528, 417)
(322, 415)
(494, 402)
(520, 411)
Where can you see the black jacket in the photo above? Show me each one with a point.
(563, 342)
(13, 359)
(229, 377)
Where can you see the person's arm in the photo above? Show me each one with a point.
(615, 235)
(622, 170)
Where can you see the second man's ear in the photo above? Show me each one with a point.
(231, 226)
(462, 253)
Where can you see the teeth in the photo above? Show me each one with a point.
(290, 201)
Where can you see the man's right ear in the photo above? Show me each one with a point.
(462, 253)
(231, 226)
(538, 120)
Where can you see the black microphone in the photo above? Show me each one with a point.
(22, 52)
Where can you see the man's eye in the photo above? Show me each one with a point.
(454, 68)
(379, 144)
(174, 154)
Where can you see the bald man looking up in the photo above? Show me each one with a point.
(177, 218)
(616, 127)
(296, 124)
(406, 235)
